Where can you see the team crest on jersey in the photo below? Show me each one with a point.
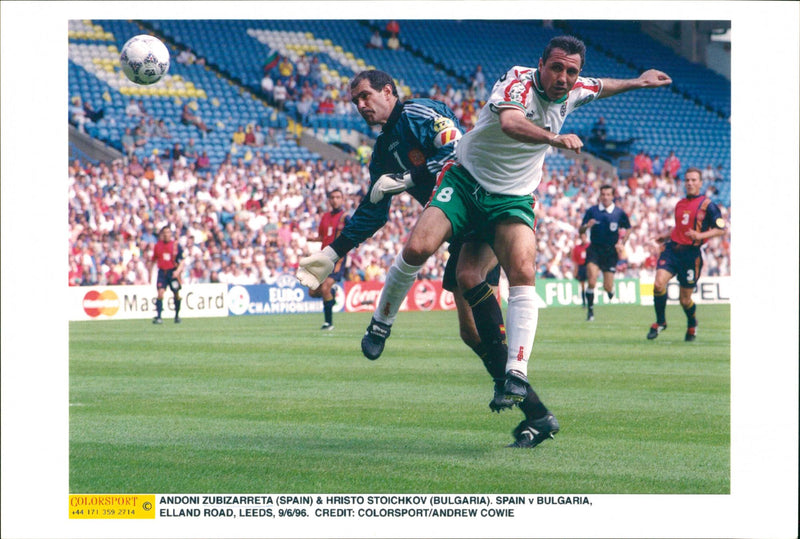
(446, 131)
(441, 123)
(612, 227)
(416, 157)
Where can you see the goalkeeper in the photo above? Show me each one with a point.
(418, 137)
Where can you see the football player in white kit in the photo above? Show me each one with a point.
(489, 190)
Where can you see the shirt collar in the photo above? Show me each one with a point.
(537, 85)
(393, 117)
(609, 209)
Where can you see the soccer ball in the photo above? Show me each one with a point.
(144, 59)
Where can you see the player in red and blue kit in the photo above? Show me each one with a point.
(168, 256)
(331, 225)
(697, 219)
(608, 228)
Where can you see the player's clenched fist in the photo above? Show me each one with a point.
(567, 142)
(313, 269)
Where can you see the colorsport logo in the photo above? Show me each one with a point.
(96, 303)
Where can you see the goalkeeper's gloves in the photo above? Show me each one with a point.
(390, 184)
(313, 269)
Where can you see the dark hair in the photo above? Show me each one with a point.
(606, 186)
(568, 44)
(335, 190)
(377, 80)
(693, 169)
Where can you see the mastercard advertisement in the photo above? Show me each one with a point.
(124, 302)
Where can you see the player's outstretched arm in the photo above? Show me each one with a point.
(652, 78)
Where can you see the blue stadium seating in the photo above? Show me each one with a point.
(691, 117)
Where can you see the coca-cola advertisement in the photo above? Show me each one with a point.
(424, 296)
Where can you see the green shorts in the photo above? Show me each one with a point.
(470, 208)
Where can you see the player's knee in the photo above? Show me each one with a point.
(521, 275)
(416, 253)
(468, 278)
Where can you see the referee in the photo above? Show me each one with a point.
(608, 228)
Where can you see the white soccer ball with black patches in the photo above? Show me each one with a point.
(144, 59)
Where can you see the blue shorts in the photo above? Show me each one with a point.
(603, 257)
(164, 279)
(581, 276)
(339, 269)
(683, 261)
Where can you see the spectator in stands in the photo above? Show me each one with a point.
(393, 43)
(709, 176)
(279, 95)
(326, 106)
(186, 57)
(77, 116)
(190, 118)
(238, 136)
(91, 114)
(478, 77)
(393, 27)
(203, 162)
(672, 166)
(303, 69)
(190, 151)
(267, 86)
(599, 131)
(128, 142)
(285, 68)
(133, 109)
(140, 135)
(375, 41)
(258, 136)
(161, 130)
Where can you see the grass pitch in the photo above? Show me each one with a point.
(271, 404)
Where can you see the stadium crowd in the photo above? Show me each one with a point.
(248, 221)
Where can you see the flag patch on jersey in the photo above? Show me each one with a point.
(448, 136)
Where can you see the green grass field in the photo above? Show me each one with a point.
(270, 404)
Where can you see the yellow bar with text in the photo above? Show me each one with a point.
(112, 506)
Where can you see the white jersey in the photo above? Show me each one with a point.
(501, 164)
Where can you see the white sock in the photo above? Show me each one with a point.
(399, 279)
(521, 321)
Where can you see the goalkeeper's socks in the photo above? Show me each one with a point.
(489, 323)
(159, 307)
(590, 298)
(691, 321)
(327, 307)
(399, 279)
(532, 406)
(523, 317)
(660, 304)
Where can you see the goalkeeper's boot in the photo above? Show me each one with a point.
(375, 339)
(516, 386)
(327, 326)
(530, 433)
(157, 320)
(655, 329)
(691, 333)
(500, 402)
